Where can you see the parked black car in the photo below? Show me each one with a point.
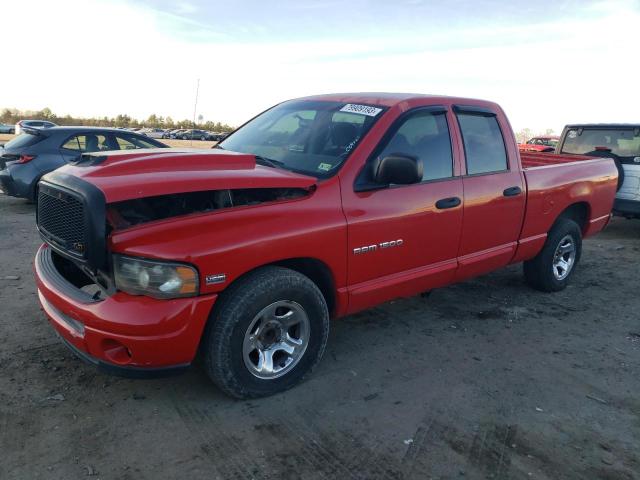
(194, 134)
(38, 151)
(168, 133)
(177, 133)
(218, 136)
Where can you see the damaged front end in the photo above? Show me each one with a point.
(129, 213)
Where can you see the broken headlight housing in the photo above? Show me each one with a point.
(154, 278)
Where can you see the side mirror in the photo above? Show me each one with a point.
(397, 169)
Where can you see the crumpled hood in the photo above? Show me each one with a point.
(125, 175)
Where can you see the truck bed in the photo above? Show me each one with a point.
(539, 159)
(555, 181)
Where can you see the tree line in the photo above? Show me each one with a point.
(11, 116)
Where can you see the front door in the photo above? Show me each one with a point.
(403, 239)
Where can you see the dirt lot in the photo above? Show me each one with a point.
(487, 379)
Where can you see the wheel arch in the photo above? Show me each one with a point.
(579, 212)
(316, 270)
(319, 273)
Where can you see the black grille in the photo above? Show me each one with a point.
(61, 220)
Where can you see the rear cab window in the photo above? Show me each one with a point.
(484, 146)
(625, 143)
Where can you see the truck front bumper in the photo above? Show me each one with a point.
(129, 335)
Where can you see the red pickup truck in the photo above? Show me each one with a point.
(317, 208)
(540, 144)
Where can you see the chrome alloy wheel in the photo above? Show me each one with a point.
(564, 257)
(276, 339)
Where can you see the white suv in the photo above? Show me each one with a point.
(618, 141)
(33, 124)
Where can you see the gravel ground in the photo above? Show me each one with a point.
(487, 379)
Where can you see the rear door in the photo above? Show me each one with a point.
(494, 192)
(403, 239)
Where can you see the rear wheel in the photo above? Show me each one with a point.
(552, 268)
(266, 333)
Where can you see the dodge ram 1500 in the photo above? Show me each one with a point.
(315, 209)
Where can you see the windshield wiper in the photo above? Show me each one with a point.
(269, 162)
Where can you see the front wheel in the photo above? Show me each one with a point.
(552, 268)
(267, 331)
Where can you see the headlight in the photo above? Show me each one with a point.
(154, 278)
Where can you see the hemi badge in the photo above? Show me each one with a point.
(215, 279)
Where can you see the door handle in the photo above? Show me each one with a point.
(512, 191)
(450, 202)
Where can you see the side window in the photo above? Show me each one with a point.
(89, 142)
(425, 135)
(483, 143)
(126, 142)
(72, 144)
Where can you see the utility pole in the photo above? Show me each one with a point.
(195, 106)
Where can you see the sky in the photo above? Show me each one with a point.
(547, 63)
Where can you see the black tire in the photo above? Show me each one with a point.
(222, 344)
(539, 272)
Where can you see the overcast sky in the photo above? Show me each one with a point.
(546, 62)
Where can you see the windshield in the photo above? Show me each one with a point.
(310, 137)
(622, 142)
(23, 140)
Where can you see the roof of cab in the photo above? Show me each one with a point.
(385, 99)
(603, 125)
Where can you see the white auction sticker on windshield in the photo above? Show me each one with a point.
(361, 109)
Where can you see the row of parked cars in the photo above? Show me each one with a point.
(178, 133)
(182, 134)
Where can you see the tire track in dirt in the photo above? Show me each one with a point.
(218, 446)
(332, 453)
